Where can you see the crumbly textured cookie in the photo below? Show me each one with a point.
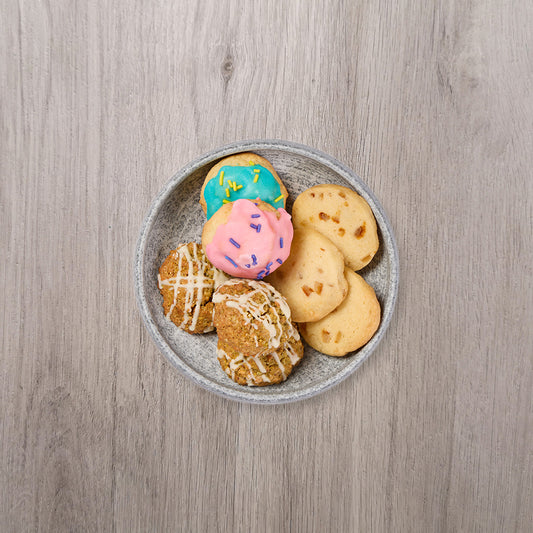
(312, 278)
(186, 283)
(351, 325)
(251, 317)
(248, 239)
(344, 217)
(260, 370)
(245, 175)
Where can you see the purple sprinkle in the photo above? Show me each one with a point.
(279, 261)
(247, 266)
(269, 265)
(256, 215)
(281, 242)
(235, 243)
(254, 226)
(231, 261)
(258, 228)
(262, 274)
(254, 260)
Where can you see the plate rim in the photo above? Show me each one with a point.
(245, 395)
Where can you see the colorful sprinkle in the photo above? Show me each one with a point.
(256, 177)
(269, 265)
(262, 274)
(235, 243)
(238, 187)
(281, 242)
(254, 260)
(221, 178)
(247, 266)
(231, 261)
(280, 197)
(258, 228)
(251, 163)
(234, 186)
(279, 261)
(254, 226)
(224, 201)
(257, 170)
(227, 192)
(256, 215)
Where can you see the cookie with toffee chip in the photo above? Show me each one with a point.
(312, 278)
(342, 216)
(351, 325)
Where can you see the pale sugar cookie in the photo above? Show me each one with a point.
(312, 277)
(344, 217)
(351, 325)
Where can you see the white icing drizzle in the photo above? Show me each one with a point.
(291, 352)
(219, 277)
(280, 364)
(193, 284)
(258, 311)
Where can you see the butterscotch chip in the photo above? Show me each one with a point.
(312, 277)
(349, 326)
(344, 217)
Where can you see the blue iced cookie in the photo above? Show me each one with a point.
(239, 176)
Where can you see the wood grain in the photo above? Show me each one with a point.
(430, 102)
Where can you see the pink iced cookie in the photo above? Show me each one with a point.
(248, 239)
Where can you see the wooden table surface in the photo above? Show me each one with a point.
(429, 102)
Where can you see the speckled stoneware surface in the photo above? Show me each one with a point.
(176, 217)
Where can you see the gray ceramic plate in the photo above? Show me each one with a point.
(176, 216)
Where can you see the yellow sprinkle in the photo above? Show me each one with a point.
(257, 170)
(238, 187)
(224, 201)
(230, 183)
(221, 178)
(251, 163)
(280, 197)
(256, 177)
(234, 186)
(227, 192)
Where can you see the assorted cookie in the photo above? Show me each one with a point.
(351, 325)
(186, 281)
(308, 272)
(312, 278)
(245, 175)
(248, 239)
(257, 342)
(342, 216)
